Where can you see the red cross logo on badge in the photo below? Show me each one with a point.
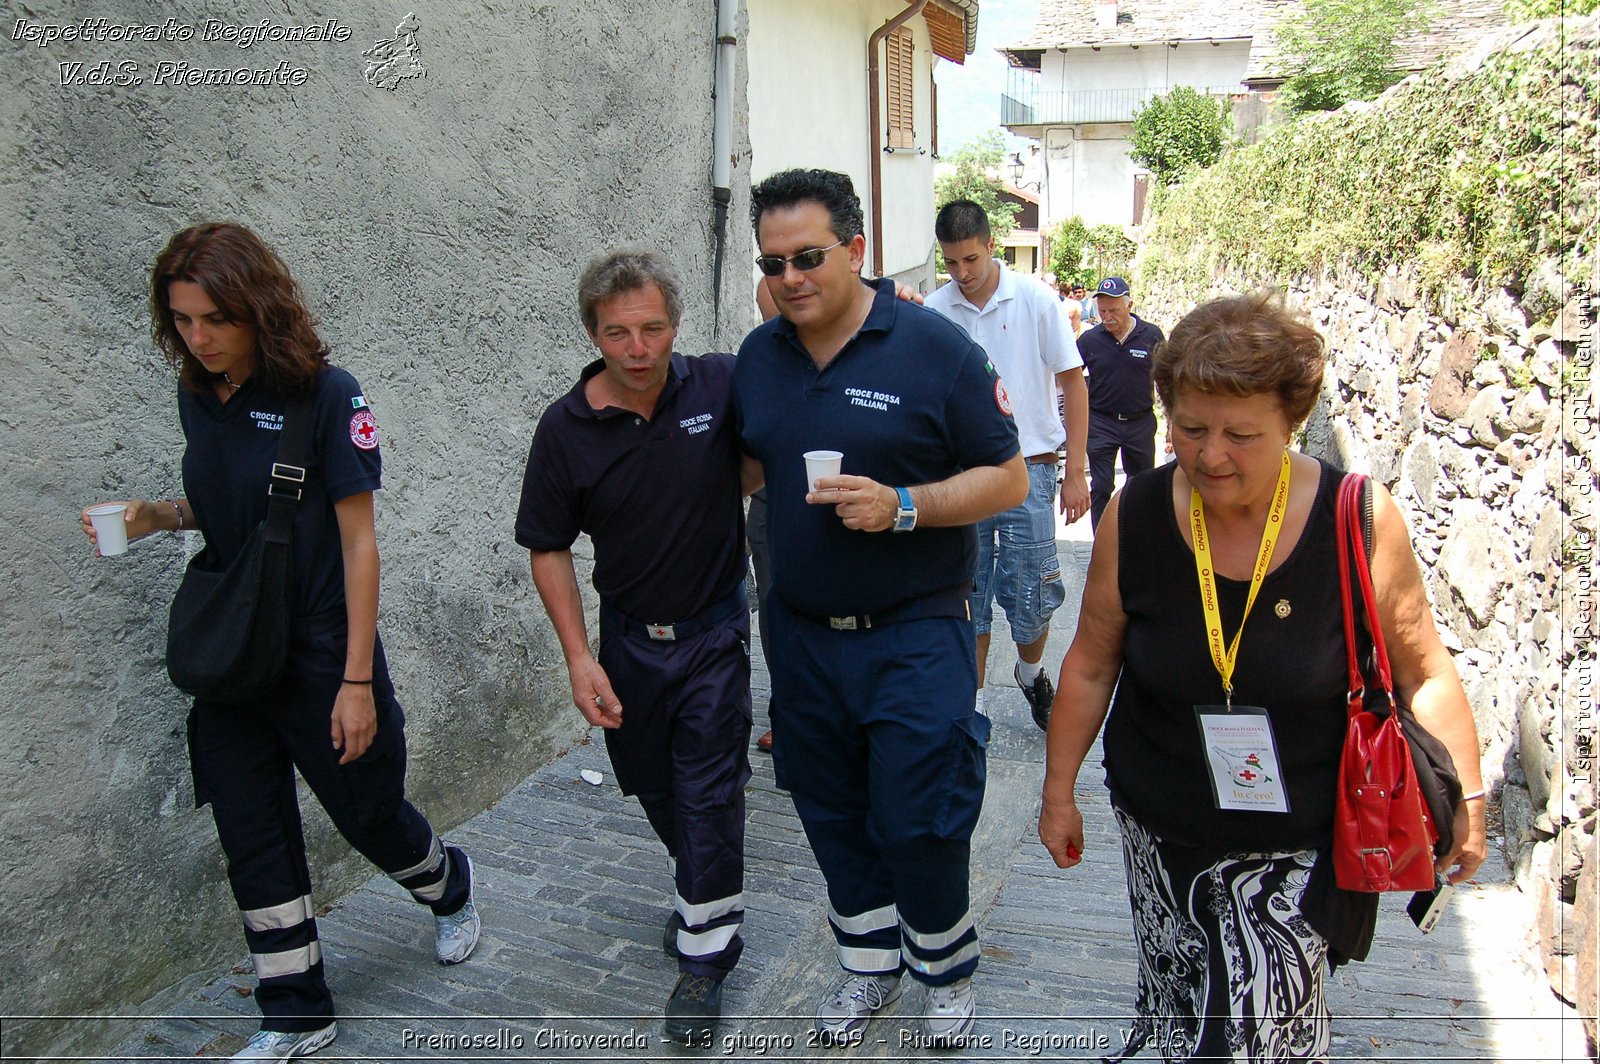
(1001, 399)
(364, 430)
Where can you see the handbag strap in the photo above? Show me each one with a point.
(1357, 683)
(1354, 548)
(288, 481)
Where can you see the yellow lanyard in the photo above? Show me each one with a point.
(1224, 658)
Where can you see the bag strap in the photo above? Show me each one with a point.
(288, 481)
(1357, 683)
(1355, 513)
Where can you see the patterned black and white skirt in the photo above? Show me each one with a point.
(1229, 970)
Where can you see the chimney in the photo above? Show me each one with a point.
(1105, 14)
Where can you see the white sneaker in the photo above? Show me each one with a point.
(857, 999)
(951, 1011)
(281, 1045)
(457, 934)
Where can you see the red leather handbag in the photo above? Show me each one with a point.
(1383, 831)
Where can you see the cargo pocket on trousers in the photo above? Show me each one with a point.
(1052, 589)
(963, 798)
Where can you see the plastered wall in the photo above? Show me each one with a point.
(437, 223)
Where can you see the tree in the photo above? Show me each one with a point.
(1343, 50)
(974, 162)
(1178, 132)
(1068, 239)
(1081, 255)
(1528, 10)
(1110, 252)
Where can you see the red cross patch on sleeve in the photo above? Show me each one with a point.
(1001, 399)
(364, 430)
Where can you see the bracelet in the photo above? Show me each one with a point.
(177, 508)
(1474, 796)
(358, 683)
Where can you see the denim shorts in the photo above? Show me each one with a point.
(1018, 564)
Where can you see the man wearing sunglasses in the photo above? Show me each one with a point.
(877, 738)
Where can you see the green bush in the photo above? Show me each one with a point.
(1479, 176)
(1069, 239)
(1343, 50)
(1177, 132)
(970, 180)
(1528, 10)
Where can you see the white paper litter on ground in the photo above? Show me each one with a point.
(591, 776)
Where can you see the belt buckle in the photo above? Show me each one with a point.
(661, 632)
(842, 624)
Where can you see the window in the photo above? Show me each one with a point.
(897, 90)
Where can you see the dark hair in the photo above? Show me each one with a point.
(791, 187)
(1243, 345)
(250, 285)
(961, 220)
(627, 271)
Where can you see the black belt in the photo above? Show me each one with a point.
(1135, 416)
(729, 606)
(947, 602)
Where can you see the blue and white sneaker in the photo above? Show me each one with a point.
(950, 1013)
(281, 1045)
(457, 933)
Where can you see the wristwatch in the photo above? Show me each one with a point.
(905, 518)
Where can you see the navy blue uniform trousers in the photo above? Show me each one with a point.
(882, 750)
(1135, 438)
(243, 758)
(683, 751)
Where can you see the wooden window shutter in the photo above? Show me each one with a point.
(898, 97)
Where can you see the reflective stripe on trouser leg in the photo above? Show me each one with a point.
(283, 942)
(709, 928)
(709, 875)
(427, 878)
(863, 940)
(941, 956)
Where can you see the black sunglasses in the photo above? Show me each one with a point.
(804, 261)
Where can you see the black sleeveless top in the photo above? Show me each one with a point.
(1293, 666)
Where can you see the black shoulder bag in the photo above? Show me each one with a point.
(228, 637)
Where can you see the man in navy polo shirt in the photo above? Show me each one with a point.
(1116, 355)
(643, 455)
(877, 739)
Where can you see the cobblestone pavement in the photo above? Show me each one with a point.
(574, 891)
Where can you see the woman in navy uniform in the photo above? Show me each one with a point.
(230, 319)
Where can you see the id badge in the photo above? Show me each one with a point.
(1243, 758)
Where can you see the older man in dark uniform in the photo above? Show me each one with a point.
(642, 454)
(1116, 356)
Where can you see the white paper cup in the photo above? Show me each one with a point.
(821, 464)
(110, 530)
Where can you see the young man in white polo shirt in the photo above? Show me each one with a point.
(1025, 331)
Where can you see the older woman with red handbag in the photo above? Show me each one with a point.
(1212, 633)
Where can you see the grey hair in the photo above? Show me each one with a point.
(627, 271)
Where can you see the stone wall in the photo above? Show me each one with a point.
(1479, 417)
(437, 224)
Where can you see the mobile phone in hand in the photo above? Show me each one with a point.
(1426, 906)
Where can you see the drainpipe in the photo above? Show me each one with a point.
(722, 147)
(874, 134)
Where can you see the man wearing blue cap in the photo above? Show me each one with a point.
(1116, 355)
